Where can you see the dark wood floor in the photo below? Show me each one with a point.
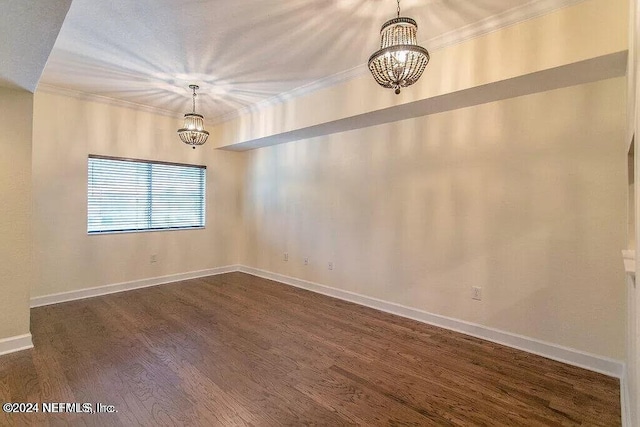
(236, 350)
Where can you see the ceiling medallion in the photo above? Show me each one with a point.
(400, 61)
(193, 132)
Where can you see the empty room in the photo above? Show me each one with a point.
(319, 212)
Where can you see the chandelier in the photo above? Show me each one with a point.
(193, 132)
(400, 61)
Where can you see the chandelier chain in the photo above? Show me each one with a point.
(194, 99)
(398, 8)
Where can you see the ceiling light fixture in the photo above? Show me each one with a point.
(193, 132)
(400, 61)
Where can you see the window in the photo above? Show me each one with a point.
(140, 195)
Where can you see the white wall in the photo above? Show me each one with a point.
(15, 211)
(66, 131)
(525, 198)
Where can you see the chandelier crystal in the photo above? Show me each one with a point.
(193, 132)
(400, 61)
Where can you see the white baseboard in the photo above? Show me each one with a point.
(127, 286)
(624, 399)
(604, 365)
(17, 343)
(611, 367)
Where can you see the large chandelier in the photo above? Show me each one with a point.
(193, 132)
(400, 61)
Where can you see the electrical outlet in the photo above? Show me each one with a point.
(286, 256)
(306, 261)
(476, 293)
(330, 266)
(153, 259)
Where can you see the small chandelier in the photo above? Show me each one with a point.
(400, 61)
(193, 132)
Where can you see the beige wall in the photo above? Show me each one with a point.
(633, 302)
(15, 211)
(525, 198)
(66, 131)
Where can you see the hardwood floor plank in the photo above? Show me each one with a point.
(235, 349)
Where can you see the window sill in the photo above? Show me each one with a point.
(156, 230)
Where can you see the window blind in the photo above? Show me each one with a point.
(140, 195)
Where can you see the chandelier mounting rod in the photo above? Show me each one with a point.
(194, 87)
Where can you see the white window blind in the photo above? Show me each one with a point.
(140, 195)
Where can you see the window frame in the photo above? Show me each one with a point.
(157, 162)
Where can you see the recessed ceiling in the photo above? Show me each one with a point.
(240, 52)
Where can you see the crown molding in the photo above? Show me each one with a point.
(508, 18)
(86, 96)
(531, 10)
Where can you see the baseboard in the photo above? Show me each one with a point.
(624, 399)
(611, 367)
(604, 365)
(17, 343)
(127, 286)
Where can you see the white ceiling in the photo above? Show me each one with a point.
(28, 30)
(240, 52)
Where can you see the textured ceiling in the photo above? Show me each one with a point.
(239, 52)
(28, 30)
